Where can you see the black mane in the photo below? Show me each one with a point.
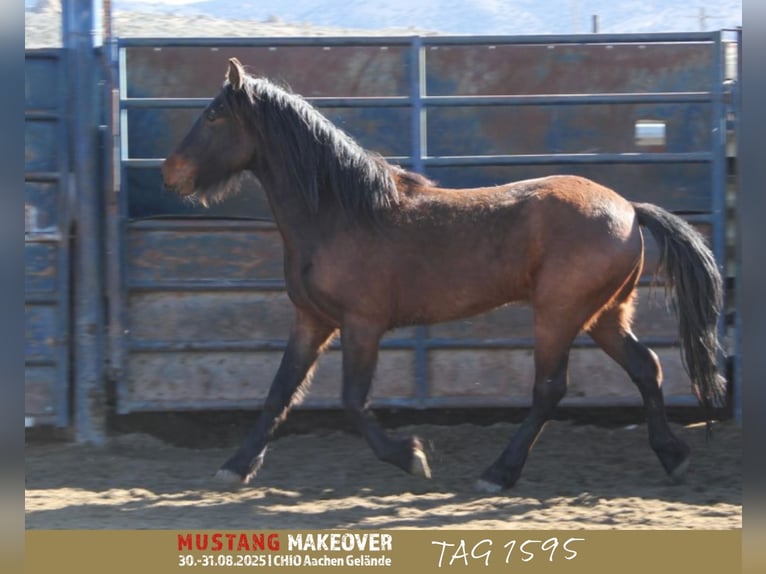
(317, 159)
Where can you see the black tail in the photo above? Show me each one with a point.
(693, 277)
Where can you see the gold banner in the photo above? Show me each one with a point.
(412, 551)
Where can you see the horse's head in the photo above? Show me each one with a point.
(218, 148)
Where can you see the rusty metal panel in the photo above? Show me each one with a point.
(41, 267)
(384, 129)
(172, 380)
(46, 249)
(581, 128)
(41, 149)
(550, 68)
(196, 251)
(206, 316)
(39, 333)
(41, 200)
(313, 70)
(505, 376)
(497, 375)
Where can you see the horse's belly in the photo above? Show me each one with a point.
(450, 300)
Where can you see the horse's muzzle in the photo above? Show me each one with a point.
(178, 175)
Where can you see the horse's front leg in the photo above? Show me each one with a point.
(308, 338)
(360, 357)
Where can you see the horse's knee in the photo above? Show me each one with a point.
(549, 392)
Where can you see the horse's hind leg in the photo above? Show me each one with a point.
(360, 356)
(554, 334)
(307, 340)
(613, 334)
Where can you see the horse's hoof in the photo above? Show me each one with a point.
(419, 465)
(679, 473)
(487, 487)
(225, 478)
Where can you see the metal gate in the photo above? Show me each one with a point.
(197, 303)
(46, 246)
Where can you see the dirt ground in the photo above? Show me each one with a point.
(578, 476)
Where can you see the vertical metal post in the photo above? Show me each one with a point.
(718, 144)
(418, 151)
(89, 390)
(115, 209)
(718, 169)
(736, 103)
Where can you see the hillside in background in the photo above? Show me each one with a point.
(472, 16)
(273, 18)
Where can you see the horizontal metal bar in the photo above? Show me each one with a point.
(142, 162)
(41, 115)
(41, 298)
(211, 285)
(519, 402)
(32, 361)
(128, 406)
(42, 237)
(521, 159)
(255, 345)
(329, 41)
(546, 39)
(269, 42)
(43, 53)
(144, 346)
(256, 285)
(163, 103)
(361, 102)
(567, 158)
(42, 176)
(41, 420)
(568, 99)
(200, 224)
(581, 342)
(452, 101)
(323, 102)
(205, 224)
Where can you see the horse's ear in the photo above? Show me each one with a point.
(235, 74)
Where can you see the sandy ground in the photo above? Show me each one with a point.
(578, 476)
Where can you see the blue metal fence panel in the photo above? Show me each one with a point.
(47, 276)
(466, 111)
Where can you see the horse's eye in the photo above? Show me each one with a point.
(211, 114)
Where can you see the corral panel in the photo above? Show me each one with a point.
(46, 248)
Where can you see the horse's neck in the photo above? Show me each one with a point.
(293, 217)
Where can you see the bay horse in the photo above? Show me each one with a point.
(369, 247)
